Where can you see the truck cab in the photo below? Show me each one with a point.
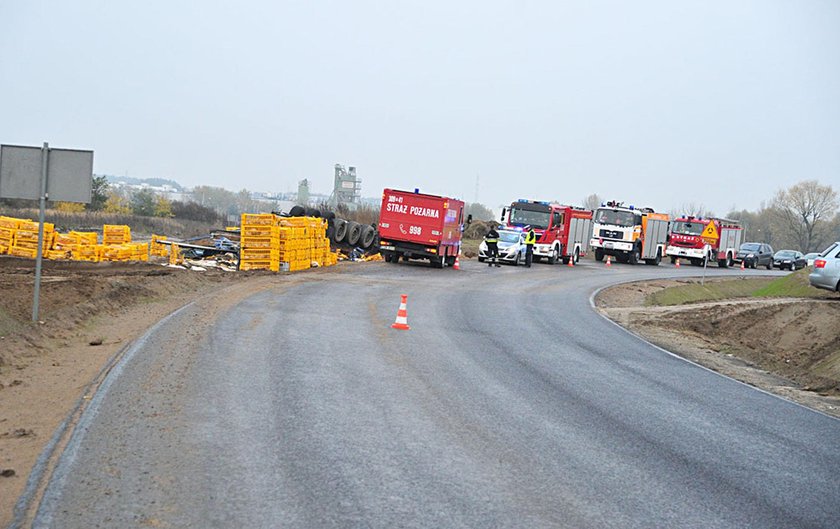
(562, 231)
(629, 234)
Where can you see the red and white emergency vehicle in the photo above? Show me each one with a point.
(696, 238)
(629, 234)
(562, 231)
(419, 226)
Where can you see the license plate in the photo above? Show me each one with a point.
(608, 245)
(387, 248)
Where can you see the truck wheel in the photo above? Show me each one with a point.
(553, 258)
(577, 256)
(439, 262)
(599, 254)
(655, 261)
(354, 232)
(368, 234)
(633, 258)
(329, 216)
(313, 212)
(340, 230)
(297, 211)
(386, 256)
(673, 260)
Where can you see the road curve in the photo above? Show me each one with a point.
(509, 403)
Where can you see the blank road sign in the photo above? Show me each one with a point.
(69, 173)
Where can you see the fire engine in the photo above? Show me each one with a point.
(629, 234)
(420, 226)
(562, 231)
(697, 239)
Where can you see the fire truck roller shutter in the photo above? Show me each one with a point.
(655, 235)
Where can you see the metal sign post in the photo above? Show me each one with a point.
(35, 173)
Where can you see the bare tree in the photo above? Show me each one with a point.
(592, 202)
(692, 208)
(805, 212)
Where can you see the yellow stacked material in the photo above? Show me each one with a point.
(259, 243)
(116, 252)
(10, 223)
(116, 234)
(30, 253)
(57, 255)
(139, 251)
(88, 252)
(158, 249)
(175, 256)
(7, 239)
(86, 237)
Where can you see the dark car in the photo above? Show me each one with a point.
(754, 254)
(790, 259)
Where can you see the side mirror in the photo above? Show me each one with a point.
(504, 211)
(469, 219)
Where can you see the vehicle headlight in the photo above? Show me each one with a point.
(750, 255)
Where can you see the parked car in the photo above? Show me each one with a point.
(754, 254)
(790, 259)
(809, 258)
(826, 272)
(511, 247)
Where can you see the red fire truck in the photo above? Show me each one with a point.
(696, 238)
(562, 231)
(419, 226)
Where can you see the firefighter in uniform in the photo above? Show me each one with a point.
(492, 240)
(530, 239)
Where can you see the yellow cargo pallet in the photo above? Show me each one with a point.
(3, 249)
(273, 266)
(260, 231)
(57, 254)
(86, 237)
(10, 223)
(258, 219)
(17, 251)
(258, 254)
(28, 225)
(259, 242)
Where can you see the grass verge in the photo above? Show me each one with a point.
(793, 285)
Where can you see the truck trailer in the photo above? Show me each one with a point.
(413, 225)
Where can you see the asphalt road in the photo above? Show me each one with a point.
(509, 403)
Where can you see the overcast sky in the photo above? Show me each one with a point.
(656, 103)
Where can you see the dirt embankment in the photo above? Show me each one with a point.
(787, 346)
(88, 313)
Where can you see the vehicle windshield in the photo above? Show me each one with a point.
(525, 217)
(509, 236)
(785, 253)
(750, 247)
(688, 228)
(615, 217)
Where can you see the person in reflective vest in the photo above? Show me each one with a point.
(492, 240)
(530, 239)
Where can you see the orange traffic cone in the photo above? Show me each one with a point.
(402, 315)
(677, 263)
(572, 261)
(457, 265)
(742, 265)
(608, 262)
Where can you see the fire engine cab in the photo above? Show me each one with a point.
(697, 239)
(562, 231)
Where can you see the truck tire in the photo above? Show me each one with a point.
(312, 212)
(297, 211)
(673, 260)
(577, 256)
(354, 232)
(340, 230)
(599, 254)
(367, 237)
(655, 261)
(633, 257)
(726, 262)
(553, 257)
(329, 216)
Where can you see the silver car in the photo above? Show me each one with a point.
(826, 272)
(511, 247)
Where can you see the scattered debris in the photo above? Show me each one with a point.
(7, 473)
(96, 341)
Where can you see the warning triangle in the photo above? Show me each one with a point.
(711, 231)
